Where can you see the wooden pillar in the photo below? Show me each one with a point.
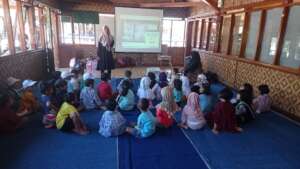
(282, 30)
(42, 27)
(245, 34)
(195, 37)
(219, 34)
(260, 35)
(8, 27)
(208, 33)
(21, 25)
(188, 36)
(201, 33)
(230, 39)
(54, 27)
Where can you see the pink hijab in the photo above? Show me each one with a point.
(192, 107)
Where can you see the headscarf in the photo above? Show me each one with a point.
(202, 79)
(163, 81)
(192, 107)
(106, 39)
(144, 90)
(168, 103)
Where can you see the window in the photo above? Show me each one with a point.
(84, 33)
(4, 50)
(66, 30)
(290, 55)
(15, 24)
(237, 33)
(26, 26)
(225, 33)
(37, 28)
(213, 36)
(173, 32)
(252, 35)
(270, 37)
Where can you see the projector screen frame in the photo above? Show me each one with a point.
(143, 52)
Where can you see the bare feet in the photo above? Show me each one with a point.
(215, 131)
(183, 126)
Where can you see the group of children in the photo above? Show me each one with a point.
(64, 96)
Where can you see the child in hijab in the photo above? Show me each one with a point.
(167, 107)
(154, 86)
(126, 99)
(192, 117)
(144, 90)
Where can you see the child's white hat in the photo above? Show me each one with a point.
(28, 83)
(11, 81)
(66, 74)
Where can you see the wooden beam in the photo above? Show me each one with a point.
(42, 27)
(208, 33)
(188, 42)
(8, 27)
(21, 25)
(230, 39)
(195, 37)
(219, 34)
(201, 33)
(260, 34)
(245, 34)
(31, 19)
(169, 5)
(212, 3)
(282, 31)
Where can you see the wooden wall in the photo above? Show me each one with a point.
(26, 65)
(285, 87)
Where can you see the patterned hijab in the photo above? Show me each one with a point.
(168, 103)
(192, 107)
(106, 39)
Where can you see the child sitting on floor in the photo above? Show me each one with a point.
(201, 81)
(68, 118)
(126, 99)
(223, 117)
(127, 74)
(263, 102)
(206, 99)
(243, 110)
(112, 122)
(61, 92)
(89, 97)
(144, 90)
(154, 86)
(9, 120)
(104, 88)
(191, 116)
(29, 103)
(175, 75)
(166, 109)
(146, 122)
(178, 93)
(186, 88)
(163, 80)
(48, 108)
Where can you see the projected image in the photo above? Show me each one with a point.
(140, 34)
(138, 30)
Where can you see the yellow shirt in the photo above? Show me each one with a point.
(64, 112)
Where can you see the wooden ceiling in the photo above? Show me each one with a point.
(148, 3)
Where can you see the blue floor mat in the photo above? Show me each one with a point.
(166, 149)
(37, 148)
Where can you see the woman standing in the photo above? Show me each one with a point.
(104, 52)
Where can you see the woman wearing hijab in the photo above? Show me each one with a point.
(163, 80)
(167, 107)
(192, 117)
(104, 52)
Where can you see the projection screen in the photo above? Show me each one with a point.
(138, 30)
